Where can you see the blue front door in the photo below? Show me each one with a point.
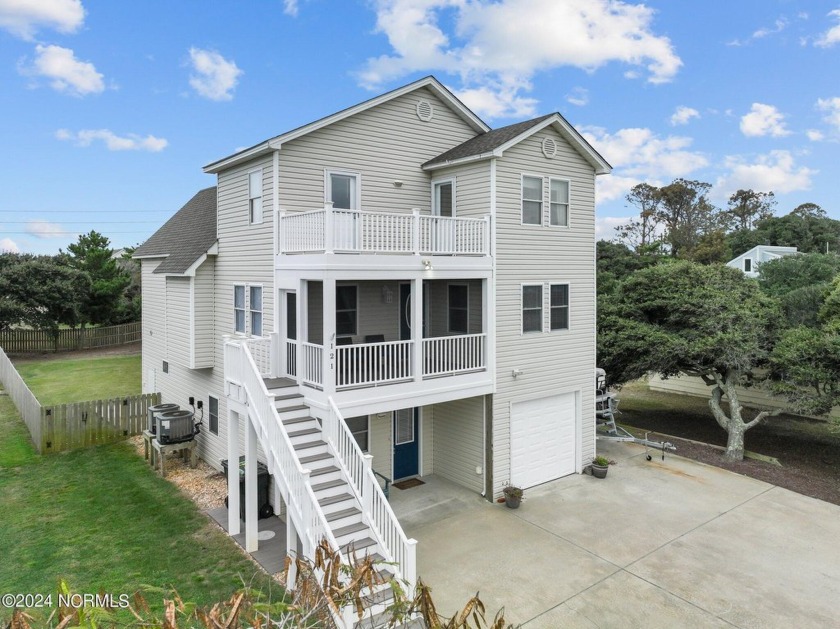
(406, 443)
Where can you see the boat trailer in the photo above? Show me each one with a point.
(606, 408)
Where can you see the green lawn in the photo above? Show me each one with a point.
(104, 521)
(56, 381)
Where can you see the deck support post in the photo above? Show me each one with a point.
(251, 525)
(233, 472)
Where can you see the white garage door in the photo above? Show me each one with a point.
(542, 443)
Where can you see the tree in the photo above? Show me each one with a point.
(746, 207)
(686, 318)
(642, 232)
(687, 215)
(615, 262)
(106, 303)
(807, 366)
(800, 283)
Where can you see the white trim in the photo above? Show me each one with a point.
(435, 198)
(522, 199)
(448, 305)
(275, 143)
(343, 172)
(522, 331)
(568, 202)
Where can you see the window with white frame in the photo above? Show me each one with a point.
(343, 190)
(459, 299)
(239, 308)
(532, 308)
(255, 309)
(346, 310)
(559, 315)
(532, 200)
(359, 427)
(255, 206)
(213, 414)
(559, 203)
(443, 198)
(747, 265)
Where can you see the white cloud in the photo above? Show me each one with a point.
(682, 115)
(763, 120)
(832, 108)
(605, 227)
(815, 135)
(832, 35)
(498, 46)
(9, 246)
(215, 77)
(64, 71)
(776, 171)
(578, 96)
(23, 18)
(777, 27)
(45, 229)
(113, 142)
(497, 102)
(290, 7)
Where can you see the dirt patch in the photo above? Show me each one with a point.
(808, 450)
(130, 349)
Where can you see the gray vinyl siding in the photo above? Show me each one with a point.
(384, 144)
(204, 327)
(551, 362)
(472, 188)
(459, 441)
(178, 311)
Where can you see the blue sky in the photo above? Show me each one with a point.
(108, 110)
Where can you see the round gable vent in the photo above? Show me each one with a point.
(549, 147)
(425, 111)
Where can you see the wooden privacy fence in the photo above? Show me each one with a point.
(77, 424)
(19, 340)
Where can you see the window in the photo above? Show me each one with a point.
(343, 190)
(346, 313)
(291, 316)
(532, 308)
(559, 307)
(165, 367)
(255, 308)
(443, 198)
(213, 415)
(459, 297)
(532, 200)
(239, 309)
(255, 208)
(559, 208)
(747, 265)
(359, 427)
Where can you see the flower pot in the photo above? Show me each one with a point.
(600, 471)
(512, 502)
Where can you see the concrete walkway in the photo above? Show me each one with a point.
(673, 544)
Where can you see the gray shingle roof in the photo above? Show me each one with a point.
(185, 237)
(486, 142)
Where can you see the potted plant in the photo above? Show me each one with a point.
(600, 466)
(513, 496)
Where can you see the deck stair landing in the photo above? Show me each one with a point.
(333, 490)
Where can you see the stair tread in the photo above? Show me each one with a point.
(309, 444)
(297, 420)
(331, 500)
(359, 544)
(323, 470)
(291, 409)
(339, 482)
(287, 396)
(344, 513)
(312, 458)
(304, 431)
(350, 528)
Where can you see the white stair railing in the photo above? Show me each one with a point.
(375, 508)
(293, 480)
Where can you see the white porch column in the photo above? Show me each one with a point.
(330, 358)
(251, 542)
(417, 328)
(233, 472)
(291, 551)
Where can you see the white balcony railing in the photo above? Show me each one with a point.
(260, 348)
(373, 363)
(352, 231)
(449, 355)
(313, 364)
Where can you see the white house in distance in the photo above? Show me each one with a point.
(749, 261)
(394, 288)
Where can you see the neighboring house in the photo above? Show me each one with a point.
(749, 261)
(421, 284)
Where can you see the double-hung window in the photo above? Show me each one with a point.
(239, 308)
(532, 308)
(559, 203)
(532, 200)
(213, 414)
(559, 307)
(255, 309)
(459, 297)
(359, 428)
(346, 310)
(255, 206)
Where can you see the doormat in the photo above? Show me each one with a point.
(408, 484)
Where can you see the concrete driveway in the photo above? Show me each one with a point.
(673, 544)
